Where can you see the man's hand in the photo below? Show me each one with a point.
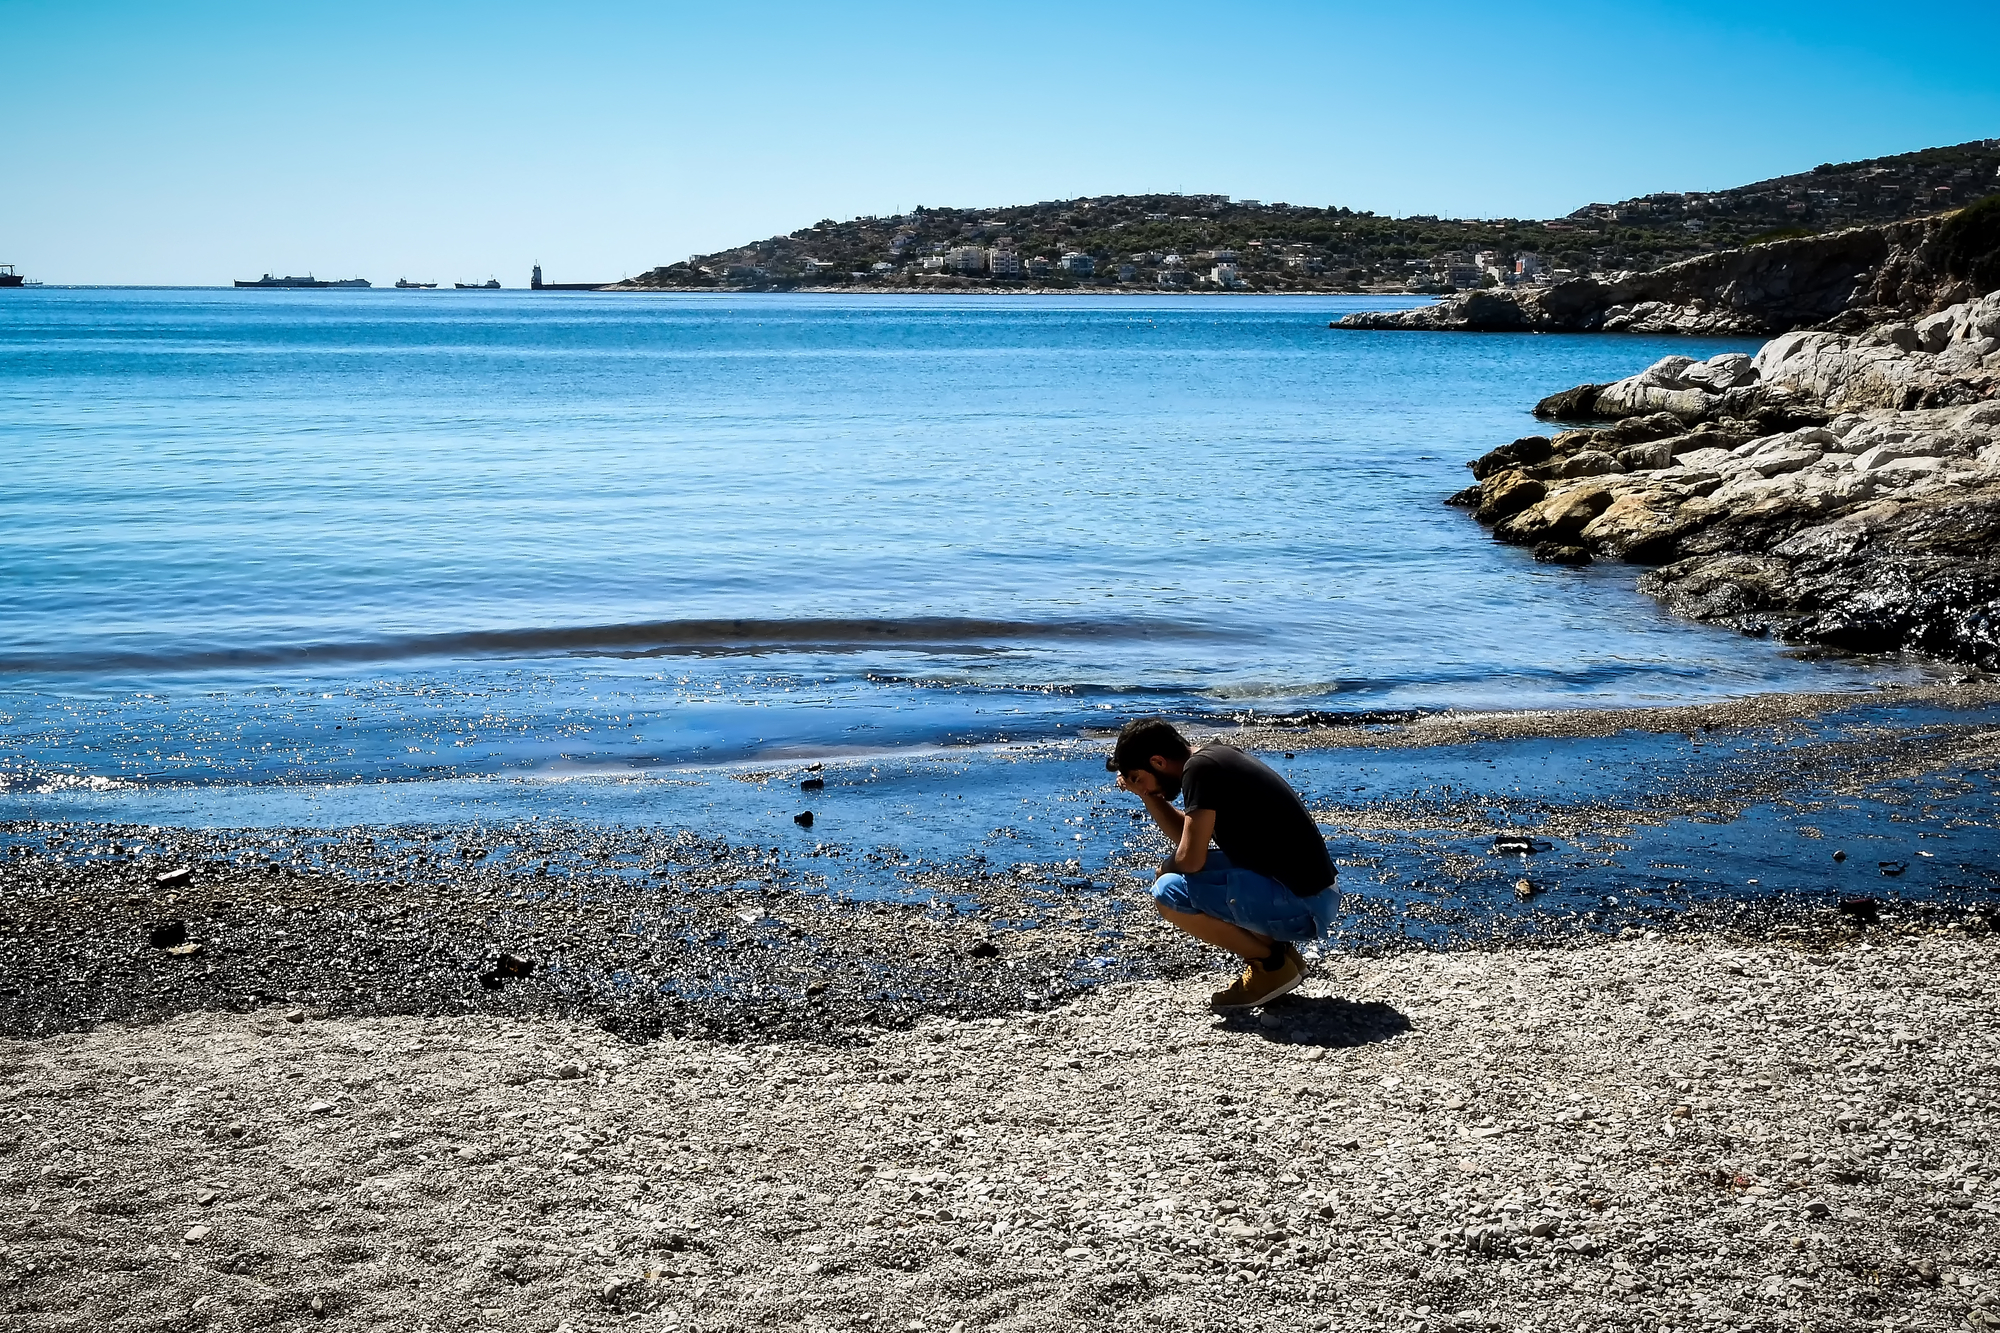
(1144, 785)
(1141, 783)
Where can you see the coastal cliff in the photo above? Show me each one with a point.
(1835, 489)
(1846, 280)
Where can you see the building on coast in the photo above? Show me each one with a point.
(1456, 268)
(965, 259)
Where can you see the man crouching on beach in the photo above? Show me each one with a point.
(1267, 882)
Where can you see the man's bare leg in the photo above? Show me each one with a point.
(1245, 944)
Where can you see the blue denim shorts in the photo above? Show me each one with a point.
(1244, 897)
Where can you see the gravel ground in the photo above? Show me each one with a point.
(1658, 1133)
(646, 932)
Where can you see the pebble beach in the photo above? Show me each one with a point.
(1673, 1133)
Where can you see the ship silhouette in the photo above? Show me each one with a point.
(308, 281)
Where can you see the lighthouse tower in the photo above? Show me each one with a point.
(535, 283)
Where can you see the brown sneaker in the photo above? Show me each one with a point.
(1262, 983)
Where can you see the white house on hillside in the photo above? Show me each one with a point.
(966, 259)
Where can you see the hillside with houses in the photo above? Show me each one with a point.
(1213, 242)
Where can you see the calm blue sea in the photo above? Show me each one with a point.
(361, 539)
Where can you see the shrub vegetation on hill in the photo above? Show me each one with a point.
(1178, 239)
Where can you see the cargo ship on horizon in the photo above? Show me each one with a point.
(9, 278)
(308, 281)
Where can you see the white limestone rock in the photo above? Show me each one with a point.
(1934, 331)
(1703, 460)
(1781, 461)
(1896, 451)
(1727, 371)
(1667, 373)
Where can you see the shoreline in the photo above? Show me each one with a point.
(1311, 729)
(1641, 820)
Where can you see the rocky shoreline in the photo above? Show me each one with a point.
(1838, 490)
(1843, 281)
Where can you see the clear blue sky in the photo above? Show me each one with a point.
(162, 143)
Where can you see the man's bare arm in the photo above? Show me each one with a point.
(1189, 832)
(1169, 819)
(1191, 850)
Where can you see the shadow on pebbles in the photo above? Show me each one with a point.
(1680, 1133)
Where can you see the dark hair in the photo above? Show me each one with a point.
(1141, 739)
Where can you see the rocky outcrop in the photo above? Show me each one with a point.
(1834, 489)
(1942, 360)
(1842, 281)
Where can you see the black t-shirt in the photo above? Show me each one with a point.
(1260, 822)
